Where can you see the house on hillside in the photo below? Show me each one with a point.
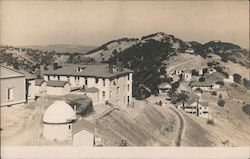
(40, 87)
(164, 88)
(83, 133)
(204, 86)
(13, 87)
(187, 75)
(113, 82)
(230, 79)
(193, 106)
(55, 87)
(189, 50)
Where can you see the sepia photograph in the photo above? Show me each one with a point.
(108, 76)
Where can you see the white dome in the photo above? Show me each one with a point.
(59, 112)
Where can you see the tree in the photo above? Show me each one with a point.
(195, 73)
(246, 83)
(237, 78)
(246, 109)
(202, 79)
(205, 70)
(221, 83)
(221, 103)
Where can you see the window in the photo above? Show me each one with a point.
(78, 69)
(118, 90)
(10, 93)
(128, 100)
(110, 94)
(48, 77)
(128, 87)
(114, 83)
(103, 82)
(86, 81)
(96, 80)
(128, 77)
(103, 95)
(77, 79)
(58, 77)
(69, 126)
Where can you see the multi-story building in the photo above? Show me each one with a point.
(13, 87)
(113, 82)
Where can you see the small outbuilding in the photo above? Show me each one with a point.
(40, 87)
(58, 119)
(55, 87)
(83, 133)
(164, 88)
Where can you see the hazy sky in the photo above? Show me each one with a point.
(94, 23)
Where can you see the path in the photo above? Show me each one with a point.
(170, 69)
(37, 126)
(181, 128)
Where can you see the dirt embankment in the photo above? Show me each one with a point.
(149, 128)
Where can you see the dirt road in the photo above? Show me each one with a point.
(181, 127)
(170, 69)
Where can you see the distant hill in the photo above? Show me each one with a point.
(62, 48)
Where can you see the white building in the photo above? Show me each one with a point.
(13, 87)
(164, 88)
(189, 50)
(230, 79)
(194, 107)
(114, 83)
(58, 119)
(40, 87)
(204, 86)
(58, 87)
(83, 133)
(187, 76)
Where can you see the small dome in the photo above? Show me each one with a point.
(59, 112)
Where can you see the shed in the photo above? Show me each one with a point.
(83, 133)
(55, 87)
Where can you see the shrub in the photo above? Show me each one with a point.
(221, 103)
(202, 79)
(246, 109)
(221, 83)
(237, 78)
(214, 93)
(246, 83)
(210, 122)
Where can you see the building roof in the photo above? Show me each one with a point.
(6, 72)
(91, 90)
(38, 82)
(164, 85)
(203, 103)
(28, 75)
(82, 125)
(58, 113)
(203, 84)
(192, 98)
(55, 83)
(97, 70)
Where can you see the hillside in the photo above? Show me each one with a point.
(150, 55)
(62, 48)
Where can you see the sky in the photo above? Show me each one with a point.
(94, 23)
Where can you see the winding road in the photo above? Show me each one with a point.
(181, 128)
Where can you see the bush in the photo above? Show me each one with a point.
(246, 109)
(221, 83)
(214, 93)
(202, 79)
(246, 83)
(237, 78)
(221, 103)
(210, 122)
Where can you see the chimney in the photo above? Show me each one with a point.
(111, 67)
(55, 66)
(120, 66)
